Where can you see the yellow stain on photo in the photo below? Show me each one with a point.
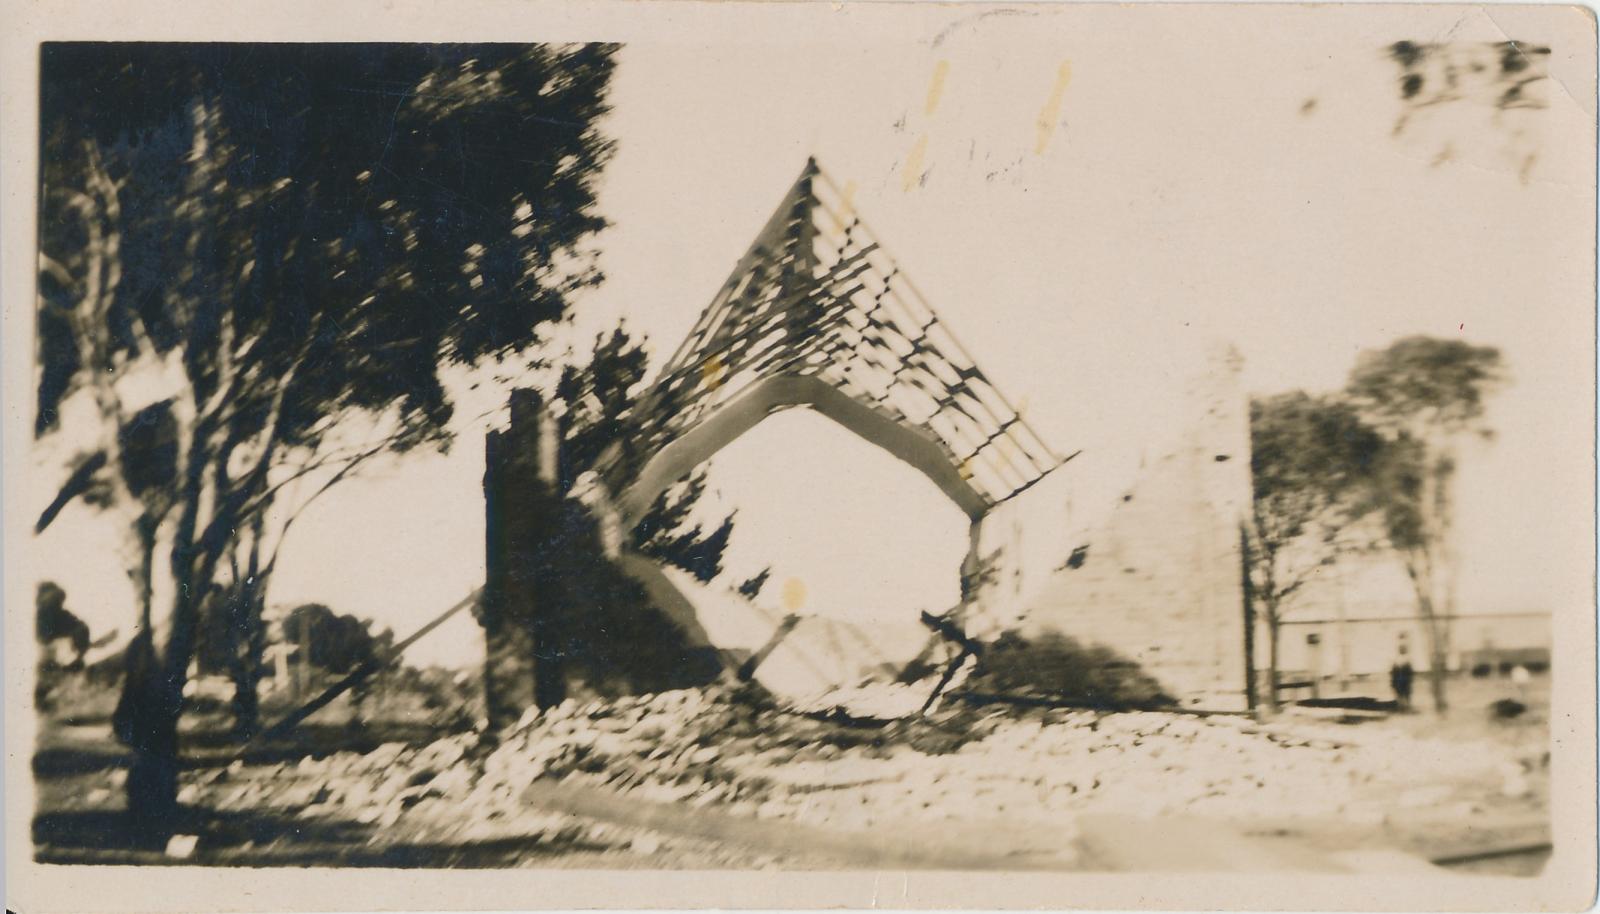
(936, 86)
(913, 169)
(1051, 113)
(847, 206)
(794, 594)
(712, 372)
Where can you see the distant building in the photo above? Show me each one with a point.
(1349, 628)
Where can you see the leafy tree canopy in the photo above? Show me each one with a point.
(1423, 382)
(1424, 392)
(336, 642)
(1308, 456)
(1313, 462)
(374, 211)
(242, 246)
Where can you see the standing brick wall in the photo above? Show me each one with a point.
(1159, 581)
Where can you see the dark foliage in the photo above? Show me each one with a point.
(1425, 394)
(442, 181)
(751, 588)
(598, 398)
(1439, 381)
(1314, 463)
(666, 533)
(288, 235)
(335, 642)
(53, 621)
(1507, 708)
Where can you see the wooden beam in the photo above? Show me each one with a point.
(912, 446)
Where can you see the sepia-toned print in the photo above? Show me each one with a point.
(983, 450)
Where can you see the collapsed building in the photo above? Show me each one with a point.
(817, 315)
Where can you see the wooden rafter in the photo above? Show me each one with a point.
(817, 295)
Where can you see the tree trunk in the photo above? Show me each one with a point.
(1442, 589)
(146, 717)
(1437, 659)
(1272, 658)
(1419, 568)
(246, 660)
(146, 721)
(248, 636)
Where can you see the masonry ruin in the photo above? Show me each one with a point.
(817, 315)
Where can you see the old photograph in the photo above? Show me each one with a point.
(1074, 440)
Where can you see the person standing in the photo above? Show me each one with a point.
(1401, 675)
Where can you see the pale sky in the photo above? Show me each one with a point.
(1239, 182)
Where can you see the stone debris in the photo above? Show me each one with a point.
(645, 844)
(875, 701)
(720, 749)
(182, 847)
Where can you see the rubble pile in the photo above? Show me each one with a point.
(375, 788)
(721, 750)
(710, 748)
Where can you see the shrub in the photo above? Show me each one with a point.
(1507, 708)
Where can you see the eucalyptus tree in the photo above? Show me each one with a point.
(1426, 395)
(244, 248)
(1312, 463)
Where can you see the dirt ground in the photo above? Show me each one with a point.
(1430, 789)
